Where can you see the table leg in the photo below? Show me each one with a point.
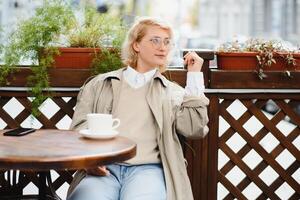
(45, 186)
(42, 185)
(9, 191)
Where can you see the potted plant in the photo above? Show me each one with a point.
(44, 37)
(257, 54)
(97, 39)
(26, 42)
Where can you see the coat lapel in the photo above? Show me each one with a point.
(154, 101)
(116, 82)
(116, 88)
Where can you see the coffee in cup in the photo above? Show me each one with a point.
(99, 123)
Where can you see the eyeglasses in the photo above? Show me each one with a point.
(157, 42)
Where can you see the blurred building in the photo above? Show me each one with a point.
(13, 11)
(277, 18)
(216, 19)
(225, 19)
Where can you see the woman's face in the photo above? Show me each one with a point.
(153, 49)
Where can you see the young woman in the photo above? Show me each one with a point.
(152, 111)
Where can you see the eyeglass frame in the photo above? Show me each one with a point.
(160, 42)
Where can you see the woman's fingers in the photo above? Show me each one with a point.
(187, 59)
(99, 171)
(193, 61)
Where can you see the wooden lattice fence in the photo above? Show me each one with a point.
(248, 153)
(265, 162)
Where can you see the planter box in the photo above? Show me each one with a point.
(248, 61)
(76, 58)
(76, 77)
(243, 79)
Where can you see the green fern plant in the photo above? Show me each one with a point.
(54, 25)
(106, 60)
(102, 31)
(42, 31)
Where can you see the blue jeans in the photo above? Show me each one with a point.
(135, 182)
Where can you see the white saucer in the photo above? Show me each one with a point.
(105, 135)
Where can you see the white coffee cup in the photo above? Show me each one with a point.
(99, 123)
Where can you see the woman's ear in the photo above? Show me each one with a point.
(135, 46)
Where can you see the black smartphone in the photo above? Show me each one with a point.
(19, 131)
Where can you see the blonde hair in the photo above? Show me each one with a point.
(136, 34)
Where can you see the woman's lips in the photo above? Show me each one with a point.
(161, 56)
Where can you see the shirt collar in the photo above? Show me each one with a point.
(118, 73)
(132, 74)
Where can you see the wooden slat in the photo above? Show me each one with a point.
(260, 96)
(261, 151)
(248, 171)
(11, 123)
(288, 111)
(205, 54)
(292, 168)
(197, 168)
(76, 77)
(64, 176)
(236, 79)
(58, 77)
(204, 168)
(244, 118)
(66, 107)
(295, 196)
(22, 116)
(57, 117)
(178, 76)
(213, 147)
(3, 181)
(262, 165)
(232, 189)
(46, 123)
(272, 128)
(189, 154)
(13, 93)
(259, 135)
(279, 181)
(27, 177)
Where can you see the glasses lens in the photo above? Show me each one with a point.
(157, 43)
(167, 42)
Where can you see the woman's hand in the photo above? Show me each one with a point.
(99, 171)
(193, 61)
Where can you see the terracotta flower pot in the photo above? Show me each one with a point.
(78, 58)
(248, 61)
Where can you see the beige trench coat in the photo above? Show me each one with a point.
(174, 114)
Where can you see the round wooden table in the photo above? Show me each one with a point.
(47, 149)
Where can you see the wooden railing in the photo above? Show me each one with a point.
(218, 165)
(253, 169)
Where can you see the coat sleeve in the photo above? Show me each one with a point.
(84, 105)
(191, 116)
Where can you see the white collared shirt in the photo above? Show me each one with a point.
(194, 82)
